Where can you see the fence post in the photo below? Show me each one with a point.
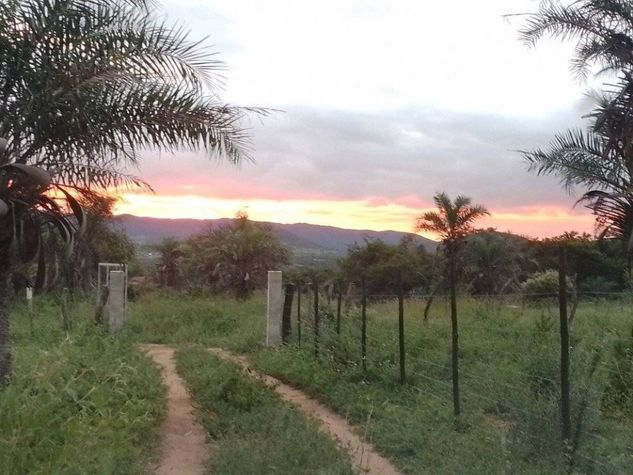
(315, 285)
(564, 347)
(363, 316)
(274, 309)
(66, 321)
(29, 302)
(285, 317)
(299, 312)
(401, 334)
(339, 301)
(116, 300)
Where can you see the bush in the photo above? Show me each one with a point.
(543, 285)
(618, 395)
(79, 402)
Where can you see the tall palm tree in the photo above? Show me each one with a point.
(600, 159)
(169, 263)
(452, 222)
(85, 85)
(27, 212)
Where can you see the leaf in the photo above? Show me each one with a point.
(78, 211)
(35, 175)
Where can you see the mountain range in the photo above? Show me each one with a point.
(307, 241)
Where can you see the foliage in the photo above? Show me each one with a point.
(235, 258)
(85, 84)
(494, 262)
(600, 159)
(178, 318)
(542, 285)
(452, 221)
(27, 216)
(618, 395)
(385, 269)
(588, 258)
(252, 430)
(80, 401)
(101, 241)
(509, 365)
(169, 266)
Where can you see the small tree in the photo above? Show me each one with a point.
(101, 241)
(359, 266)
(452, 221)
(381, 268)
(237, 257)
(169, 263)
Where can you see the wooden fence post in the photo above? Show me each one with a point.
(315, 285)
(401, 334)
(285, 317)
(339, 301)
(299, 312)
(564, 347)
(363, 317)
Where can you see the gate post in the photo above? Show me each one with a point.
(274, 309)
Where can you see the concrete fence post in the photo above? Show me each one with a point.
(116, 300)
(274, 309)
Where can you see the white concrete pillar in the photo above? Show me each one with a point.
(115, 307)
(275, 309)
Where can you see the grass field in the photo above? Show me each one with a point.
(78, 398)
(80, 401)
(510, 390)
(252, 430)
(509, 369)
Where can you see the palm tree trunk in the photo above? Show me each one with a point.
(5, 349)
(455, 334)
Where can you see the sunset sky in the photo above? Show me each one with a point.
(382, 103)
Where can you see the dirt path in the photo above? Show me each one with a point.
(364, 455)
(183, 448)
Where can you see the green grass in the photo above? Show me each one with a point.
(252, 430)
(79, 402)
(509, 377)
(509, 371)
(172, 318)
(509, 374)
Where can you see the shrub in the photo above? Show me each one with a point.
(542, 285)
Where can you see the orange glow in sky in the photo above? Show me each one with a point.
(361, 214)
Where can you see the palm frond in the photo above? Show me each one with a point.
(579, 158)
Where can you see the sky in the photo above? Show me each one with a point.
(379, 104)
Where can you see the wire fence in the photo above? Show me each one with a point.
(509, 359)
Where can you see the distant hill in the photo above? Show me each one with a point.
(300, 237)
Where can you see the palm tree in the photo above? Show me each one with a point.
(169, 263)
(26, 213)
(493, 261)
(85, 85)
(452, 222)
(603, 30)
(110, 79)
(600, 159)
(237, 256)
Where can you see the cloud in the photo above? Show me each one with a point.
(398, 156)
